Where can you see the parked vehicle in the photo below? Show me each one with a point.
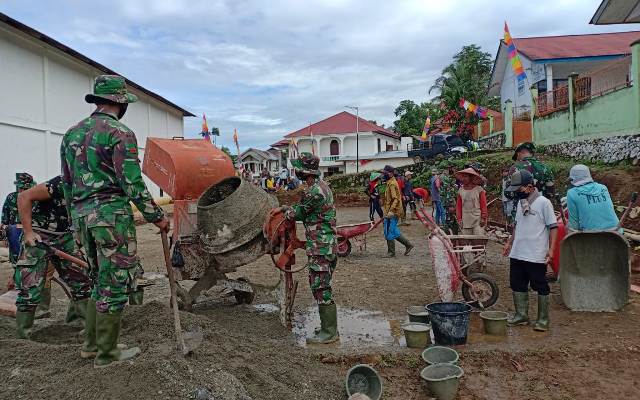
(438, 144)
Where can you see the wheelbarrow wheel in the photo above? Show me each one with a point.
(244, 297)
(482, 292)
(344, 247)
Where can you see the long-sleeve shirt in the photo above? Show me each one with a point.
(591, 208)
(471, 206)
(407, 190)
(393, 199)
(10, 210)
(101, 171)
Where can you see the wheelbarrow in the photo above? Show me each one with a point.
(357, 232)
(478, 289)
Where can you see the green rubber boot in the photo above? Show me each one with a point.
(89, 347)
(107, 333)
(24, 323)
(391, 249)
(44, 308)
(542, 324)
(521, 302)
(135, 298)
(77, 310)
(406, 243)
(328, 325)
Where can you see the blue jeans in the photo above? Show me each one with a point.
(441, 213)
(14, 237)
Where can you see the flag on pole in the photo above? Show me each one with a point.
(205, 129)
(425, 130)
(294, 148)
(235, 140)
(313, 147)
(512, 53)
(479, 111)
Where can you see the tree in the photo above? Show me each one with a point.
(412, 116)
(233, 157)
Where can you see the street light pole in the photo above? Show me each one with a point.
(357, 136)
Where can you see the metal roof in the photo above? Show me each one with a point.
(617, 12)
(54, 43)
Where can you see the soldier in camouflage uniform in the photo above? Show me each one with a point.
(448, 196)
(542, 176)
(10, 218)
(101, 175)
(43, 208)
(318, 214)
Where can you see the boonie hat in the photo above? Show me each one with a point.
(307, 163)
(523, 146)
(112, 88)
(580, 175)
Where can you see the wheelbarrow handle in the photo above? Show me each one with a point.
(61, 254)
(632, 201)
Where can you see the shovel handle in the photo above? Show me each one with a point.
(62, 254)
(632, 201)
(174, 300)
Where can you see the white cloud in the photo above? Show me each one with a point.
(255, 119)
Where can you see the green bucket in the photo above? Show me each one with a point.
(418, 335)
(442, 380)
(418, 314)
(494, 322)
(440, 355)
(362, 378)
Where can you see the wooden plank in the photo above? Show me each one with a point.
(8, 303)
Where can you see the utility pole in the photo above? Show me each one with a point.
(357, 136)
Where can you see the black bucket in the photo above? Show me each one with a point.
(449, 322)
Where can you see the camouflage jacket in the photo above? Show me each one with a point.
(448, 191)
(52, 214)
(10, 210)
(101, 171)
(542, 175)
(318, 214)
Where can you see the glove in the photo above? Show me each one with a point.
(390, 214)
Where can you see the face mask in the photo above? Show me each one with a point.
(522, 195)
(123, 109)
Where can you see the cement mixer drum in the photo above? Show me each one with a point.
(231, 214)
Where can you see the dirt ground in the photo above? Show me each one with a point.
(246, 354)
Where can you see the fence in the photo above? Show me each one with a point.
(607, 78)
(485, 126)
(550, 102)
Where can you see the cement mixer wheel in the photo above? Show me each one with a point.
(483, 291)
(244, 297)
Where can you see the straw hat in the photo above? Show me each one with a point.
(476, 178)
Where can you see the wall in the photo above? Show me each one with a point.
(47, 90)
(552, 128)
(509, 87)
(606, 114)
(607, 150)
(521, 131)
(494, 141)
(378, 164)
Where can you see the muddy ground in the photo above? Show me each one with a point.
(246, 354)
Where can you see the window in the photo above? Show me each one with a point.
(520, 87)
(332, 171)
(379, 145)
(389, 147)
(334, 148)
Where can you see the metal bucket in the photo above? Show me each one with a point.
(231, 214)
(417, 334)
(494, 322)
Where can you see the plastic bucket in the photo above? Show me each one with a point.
(440, 355)
(494, 322)
(417, 334)
(442, 380)
(363, 379)
(450, 322)
(418, 314)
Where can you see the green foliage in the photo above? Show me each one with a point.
(233, 157)
(215, 131)
(412, 116)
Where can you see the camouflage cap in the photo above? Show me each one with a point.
(24, 180)
(530, 147)
(112, 88)
(306, 163)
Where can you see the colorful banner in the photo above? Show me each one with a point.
(479, 111)
(205, 129)
(294, 148)
(425, 130)
(512, 53)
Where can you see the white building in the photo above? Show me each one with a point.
(43, 84)
(548, 62)
(257, 161)
(341, 145)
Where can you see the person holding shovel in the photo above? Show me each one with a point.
(392, 212)
(101, 175)
(530, 249)
(43, 208)
(317, 212)
(471, 203)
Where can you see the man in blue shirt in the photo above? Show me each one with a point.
(589, 203)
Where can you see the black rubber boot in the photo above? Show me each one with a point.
(107, 333)
(521, 302)
(406, 243)
(24, 323)
(542, 323)
(328, 325)
(44, 308)
(391, 249)
(136, 298)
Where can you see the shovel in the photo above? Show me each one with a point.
(194, 338)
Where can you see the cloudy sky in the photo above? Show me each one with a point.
(270, 67)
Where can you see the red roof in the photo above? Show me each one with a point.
(343, 122)
(281, 143)
(575, 46)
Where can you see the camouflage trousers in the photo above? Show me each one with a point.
(111, 249)
(320, 272)
(31, 272)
